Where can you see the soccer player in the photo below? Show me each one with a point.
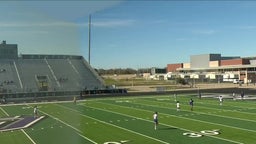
(175, 97)
(191, 103)
(199, 95)
(74, 100)
(178, 106)
(220, 99)
(155, 118)
(242, 95)
(35, 112)
(234, 96)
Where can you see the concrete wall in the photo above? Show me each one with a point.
(253, 62)
(202, 61)
(186, 65)
(199, 61)
(214, 64)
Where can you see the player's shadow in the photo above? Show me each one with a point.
(167, 128)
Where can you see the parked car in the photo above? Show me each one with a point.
(237, 81)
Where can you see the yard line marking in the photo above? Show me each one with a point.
(198, 120)
(230, 104)
(86, 138)
(113, 125)
(68, 126)
(4, 111)
(196, 112)
(121, 98)
(236, 110)
(28, 137)
(162, 123)
(61, 121)
(2, 123)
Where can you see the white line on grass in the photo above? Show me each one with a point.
(68, 126)
(164, 124)
(226, 110)
(28, 137)
(249, 113)
(195, 120)
(86, 138)
(114, 125)
(230, 103)
(21, 129)
(4, 111)
(196, 112)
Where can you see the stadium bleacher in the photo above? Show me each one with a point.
(66, 73)
(34, 77)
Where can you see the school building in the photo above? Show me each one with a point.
(214, 67)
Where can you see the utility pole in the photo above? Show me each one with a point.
(89, 42)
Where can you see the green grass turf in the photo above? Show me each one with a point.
(129, 120)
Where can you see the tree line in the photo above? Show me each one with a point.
(120, 71)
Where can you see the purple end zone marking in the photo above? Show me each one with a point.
(23, 122)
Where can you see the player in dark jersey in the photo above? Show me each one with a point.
(191, 103)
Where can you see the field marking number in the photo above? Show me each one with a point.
(203, 132)
(121, 142)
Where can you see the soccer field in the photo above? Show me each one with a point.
(129, 120)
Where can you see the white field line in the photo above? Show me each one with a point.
(26, 126)
(184, 117)
(191, 119)
(225, 110)
(166, 124)
(2, 123)
(68, 126)
(21, 129)
(161, 96)
(252, 106)
(120, 98)
(152, 96)
(32, 103)
(86, 138)
(61, 121)
(115, 125)
(199, 112)
(33, 122)
(28, 137)
(4, 111)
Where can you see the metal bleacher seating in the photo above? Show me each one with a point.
(60, 73)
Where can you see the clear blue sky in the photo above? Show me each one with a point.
(131, 34)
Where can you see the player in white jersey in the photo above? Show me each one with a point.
(178, 106)
(221, 99)
(155, 118)
(35, 112)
